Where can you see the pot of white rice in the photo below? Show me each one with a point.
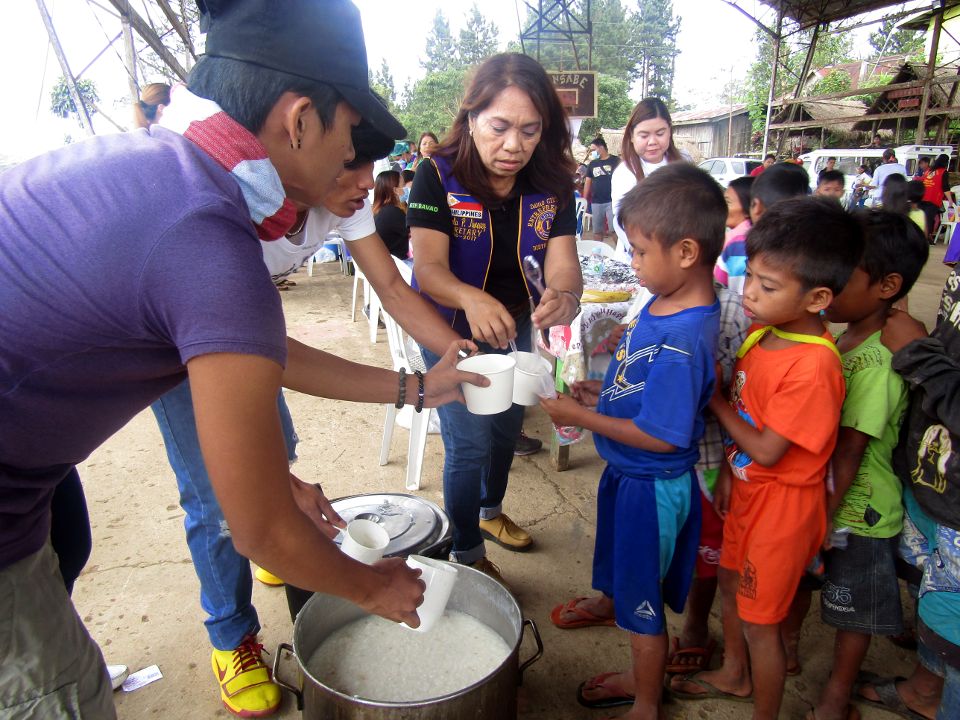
(356, 666)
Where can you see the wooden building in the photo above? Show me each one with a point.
(717, 132)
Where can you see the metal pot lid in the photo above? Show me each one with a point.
(413, 523)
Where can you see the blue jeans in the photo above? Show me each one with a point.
(950, 695)
(226, 584)
(478, 453)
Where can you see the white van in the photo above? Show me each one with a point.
(849, 160)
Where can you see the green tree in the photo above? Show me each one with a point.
(61, 101)
(613, 107)
(478, 39)
(832, 48)
(657, 38)
(616, 49)
(441, 49)
(833, 81)
(432, 102)
(382, 83)
(889, 41)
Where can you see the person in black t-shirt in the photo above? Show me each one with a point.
(389, 215)
(596, 188)
(498, 188)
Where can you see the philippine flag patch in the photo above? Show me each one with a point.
(464, 206)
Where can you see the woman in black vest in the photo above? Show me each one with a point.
(497, 189)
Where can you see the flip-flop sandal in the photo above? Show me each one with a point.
(890, 700)
(585, 618)
(610, 701)
(711, 692)
(700, 657)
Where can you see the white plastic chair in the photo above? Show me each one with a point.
(371, 301)
(586, 219)
(341, 252)
(403, 356)
(588, 247)
(948, 221)
(581, 212)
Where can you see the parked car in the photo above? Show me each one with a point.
(724, 170)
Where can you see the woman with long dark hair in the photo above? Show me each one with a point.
(426, 145)
(389, 214)
(647, 146)
(497, 189)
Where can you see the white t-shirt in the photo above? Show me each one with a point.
(282, 257)
(622, 182)
(884, 171)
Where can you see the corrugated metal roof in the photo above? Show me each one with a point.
(922, 20)
(689, 117)
(813, 12)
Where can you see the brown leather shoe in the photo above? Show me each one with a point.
(505, 532)
(485, 566)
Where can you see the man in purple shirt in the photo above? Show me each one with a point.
(131, 262)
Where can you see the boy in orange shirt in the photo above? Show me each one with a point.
(782, 420)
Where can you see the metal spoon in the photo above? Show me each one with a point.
(534, 273)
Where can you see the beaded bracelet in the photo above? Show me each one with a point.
(420, 392)
(576, 299)
(402, 393)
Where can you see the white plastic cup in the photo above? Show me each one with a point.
(439, 577)
(365, 541)
(528, 377)
(498, 395)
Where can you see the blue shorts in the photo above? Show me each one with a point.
(648, 532)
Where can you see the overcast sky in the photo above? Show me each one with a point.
(715, 42)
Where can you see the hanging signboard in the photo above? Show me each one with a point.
(578, 91)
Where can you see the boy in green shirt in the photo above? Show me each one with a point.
(860, 596)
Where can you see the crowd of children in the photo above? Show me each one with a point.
(810, 483)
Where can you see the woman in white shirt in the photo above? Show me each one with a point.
(861, 185)
(647, 146)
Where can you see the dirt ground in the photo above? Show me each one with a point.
(139, 594)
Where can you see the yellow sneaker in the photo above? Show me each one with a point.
(267, 577)
(246, 687)
(504, 531)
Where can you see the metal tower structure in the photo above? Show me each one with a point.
(559, 21)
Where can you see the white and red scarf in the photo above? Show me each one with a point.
(238, 151)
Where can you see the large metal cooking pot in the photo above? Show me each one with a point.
(492, 698)
(415, 525)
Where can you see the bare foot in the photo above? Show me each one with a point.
(720, 679)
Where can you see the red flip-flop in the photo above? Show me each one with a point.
(585, 618)
(612, 700)
(700, 658)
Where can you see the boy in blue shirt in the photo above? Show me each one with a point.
(649, 417)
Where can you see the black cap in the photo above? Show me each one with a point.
(320, 40)
(369, 143)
